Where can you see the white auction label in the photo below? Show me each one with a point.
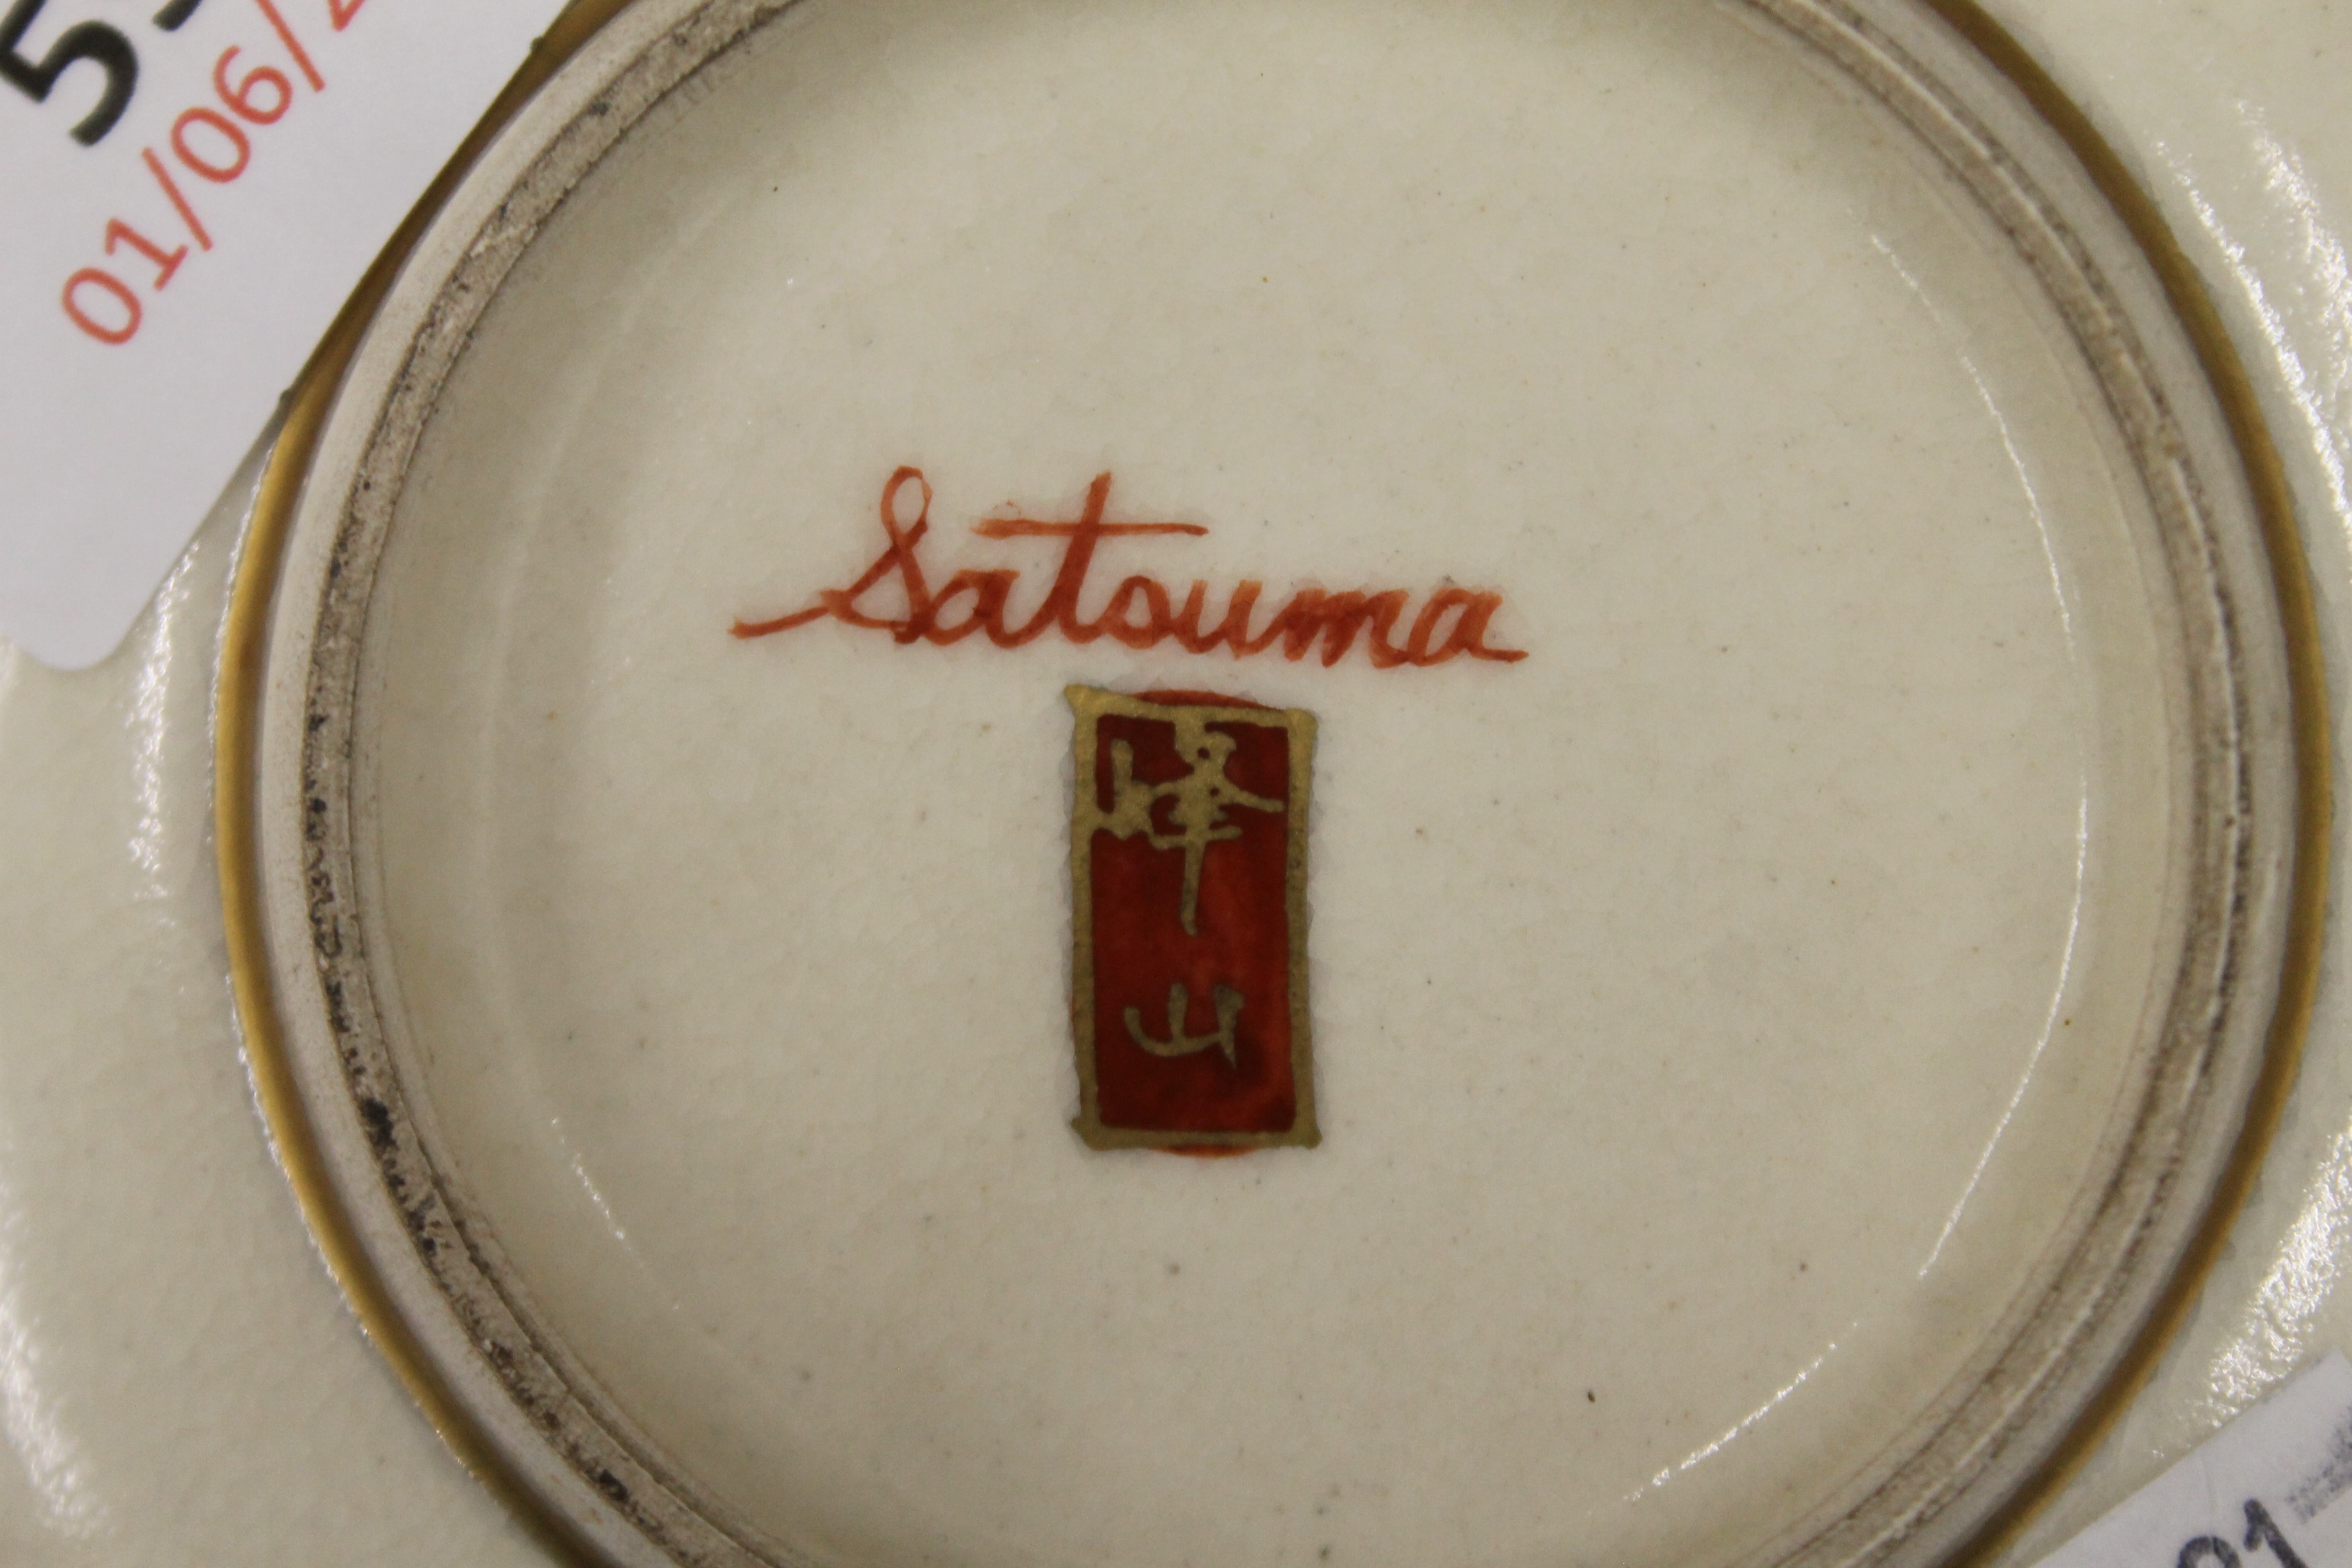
(2273, 1490)
(194, 188)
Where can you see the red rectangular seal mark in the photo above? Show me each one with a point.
(1187, 885)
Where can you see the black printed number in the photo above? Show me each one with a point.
(94, 41)
(2260, 1531)
(2262, 1535)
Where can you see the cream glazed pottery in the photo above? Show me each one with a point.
(1819, 718)
(1775, 1047)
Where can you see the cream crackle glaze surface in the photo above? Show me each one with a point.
(181, 1384)
(1888, 744)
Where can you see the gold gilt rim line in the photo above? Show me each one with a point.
(2282, 538)
(236, 716)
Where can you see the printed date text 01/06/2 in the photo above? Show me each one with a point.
(210, 141)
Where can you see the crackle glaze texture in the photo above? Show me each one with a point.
(179, 1384)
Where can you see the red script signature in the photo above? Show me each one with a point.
(1141, 612)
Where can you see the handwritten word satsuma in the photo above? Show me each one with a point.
(1141, 611)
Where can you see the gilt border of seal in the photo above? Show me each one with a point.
(1089, 705)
